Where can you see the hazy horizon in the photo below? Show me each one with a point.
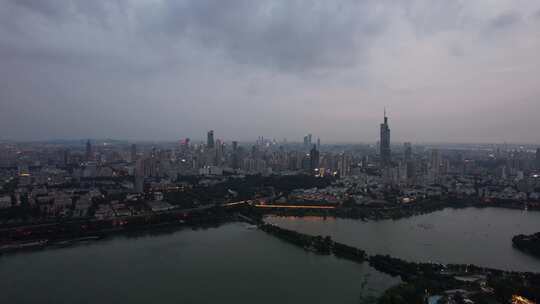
(197, 140)
(446, 71)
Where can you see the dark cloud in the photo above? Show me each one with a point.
(164, 69)
(289, 35)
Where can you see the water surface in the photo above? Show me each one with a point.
(229, 264)
(481, 236)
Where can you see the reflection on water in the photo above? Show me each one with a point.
(471, 235)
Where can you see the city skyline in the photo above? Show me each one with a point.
(447, 71)
(384, 142)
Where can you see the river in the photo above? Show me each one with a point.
(228, 264)
(481, 236)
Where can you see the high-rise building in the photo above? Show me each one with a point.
(235, 161)
(308, 141)
(344, 165)
(66, 157)
(314, 158)
(435, 161)
(411, 172)
(139, 176)
(210, 139)
(219, 152)
(504, 175)
(88, 154)
(434, 166)
(184, 146)
(407, 151)
(133, 152)
(538, 158)
(445, 167)
(385, 143)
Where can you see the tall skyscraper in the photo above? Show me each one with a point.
(435, 161)
(410, 166)
(344, 165)
(385, 142)
(139, 176)
(210, 139)
(538, 158)
(88, 151)
(184, 145)
(411, 172)
(235, 161)
(133, 152)
(407, 151)
(66, 156)
(435, 166)
(308, 141)
(314, 158)
(219, 152)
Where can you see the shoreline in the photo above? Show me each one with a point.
(418, 276)
(395, 213)
(206, 219)
(421, 279)
(33, 237)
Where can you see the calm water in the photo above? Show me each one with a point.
(471, 235)
(229, 264)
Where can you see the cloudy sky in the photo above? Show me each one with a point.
(455, 71)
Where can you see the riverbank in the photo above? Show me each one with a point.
(232, 263)
(392, 211)
(31, 237)
(422, 280)
(448, 236)
(362, 212)
(65, 234)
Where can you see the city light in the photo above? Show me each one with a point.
(521, 300)
(295, 206)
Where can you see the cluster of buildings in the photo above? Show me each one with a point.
(487, 171)
(67, 178)
(333, 195)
